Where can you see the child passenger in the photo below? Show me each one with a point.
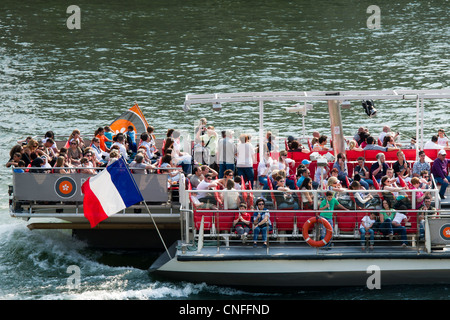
(366, 227)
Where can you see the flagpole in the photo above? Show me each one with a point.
(148, 209)
(156, 227)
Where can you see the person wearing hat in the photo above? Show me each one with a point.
(440, 172)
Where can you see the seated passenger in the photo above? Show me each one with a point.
(174, 174)
(148, 143)
(372, 146)
(391, 193)
(320, 145)
(433, 144)
(398, 228)
(439, 169)
(196, 177)
(14, 161)
(242, 222)
(296, 146)
(401, 167)
(386, 217)
(362, 200)
(84, 162)
(227, 175)
(74, 152)
(341, 166)
(207, 197)
(180, 158)
(138, 165)
(426, 210)
(363, 171)
(265, 169)
(284, 199)
(390, 143)
(75, 135)
(420, 165)
(102, 140)
(231, 199)
(387, 131)
(352, 146)
(20, 167)
(307, 198)
(261, 222)
(379, 168)
(60, 165)
(420, 195)
(367, 222)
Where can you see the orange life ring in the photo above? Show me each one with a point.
(320, 243)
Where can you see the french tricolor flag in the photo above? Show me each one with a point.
(109, 192)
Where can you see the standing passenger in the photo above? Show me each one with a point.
(245, 158)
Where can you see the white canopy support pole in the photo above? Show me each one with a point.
(261, 130)
(423, 123)
(417, 128)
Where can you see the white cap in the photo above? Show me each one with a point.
(442, 151)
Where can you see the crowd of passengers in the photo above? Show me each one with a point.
(218, 162)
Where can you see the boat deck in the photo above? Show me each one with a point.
(297, 252)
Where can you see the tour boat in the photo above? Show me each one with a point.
(210, 251)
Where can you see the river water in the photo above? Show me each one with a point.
(155, 52)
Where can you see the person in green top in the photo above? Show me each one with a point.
(386, 217)
(327, 207)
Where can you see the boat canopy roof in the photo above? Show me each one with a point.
(318, 95)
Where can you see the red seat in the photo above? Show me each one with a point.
(346, 221)
(208, 219)
(285, 220)
(413, 220)
(432, 153)
(224, 220)
(303, 216)
(377, 187)
(391, 155)
(370, 155)
(410, 154)
(353, 155)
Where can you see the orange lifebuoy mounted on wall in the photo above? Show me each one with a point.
(309, 223)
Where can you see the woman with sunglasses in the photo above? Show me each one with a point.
(261, 222)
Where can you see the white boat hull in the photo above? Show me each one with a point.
(300, 270)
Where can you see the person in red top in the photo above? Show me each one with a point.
(242, 223)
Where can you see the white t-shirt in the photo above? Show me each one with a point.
(366, 221)
(432, 145)
(203, 185)
(231, 199)
(442, 141)
(262, 167)
(123, 150)
(245, 154)
(399, 217)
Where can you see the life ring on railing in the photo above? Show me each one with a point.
(320, 243)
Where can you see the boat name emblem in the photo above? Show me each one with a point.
(65, 187)
(445, 232)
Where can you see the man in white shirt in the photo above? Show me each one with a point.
(206, 184)
(432, 144)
